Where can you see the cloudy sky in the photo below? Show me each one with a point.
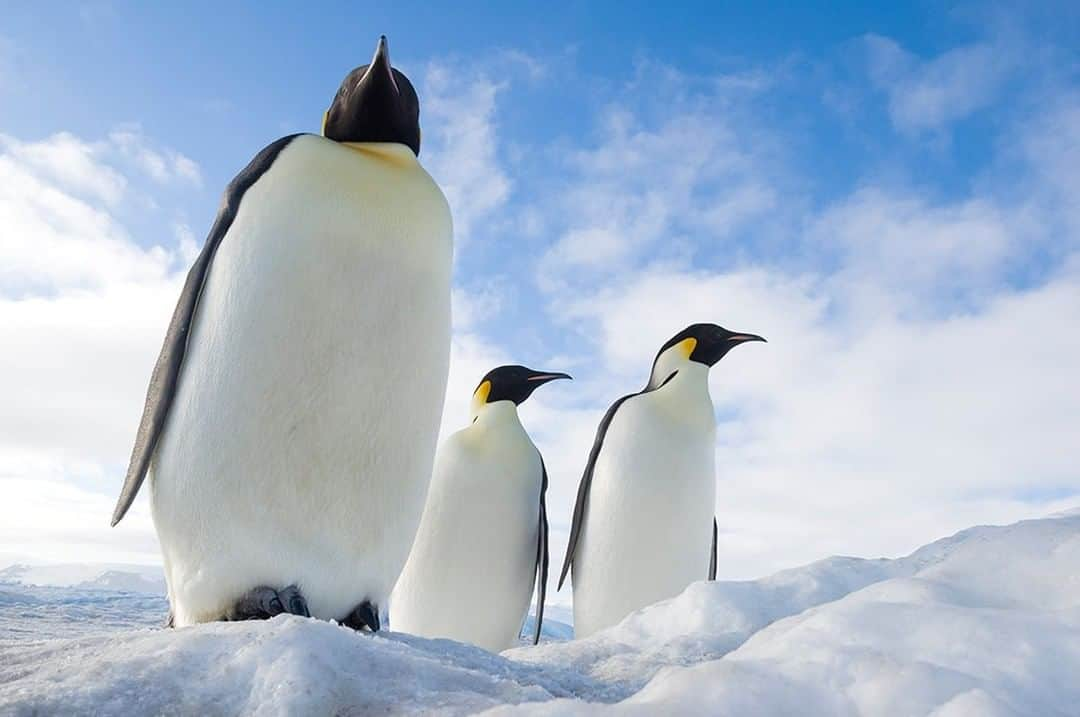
(889, 196)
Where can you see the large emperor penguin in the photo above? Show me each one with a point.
(291, 420)
(483, 539)
(643, 526)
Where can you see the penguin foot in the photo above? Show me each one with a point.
(262, 603)
(363, 618)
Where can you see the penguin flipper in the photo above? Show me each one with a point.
(541, 556)
(586, 483)
(163, 380)
(712, 555)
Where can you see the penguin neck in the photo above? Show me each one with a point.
(685, 390)
(497, 415)
(392, 152)
(671, 367)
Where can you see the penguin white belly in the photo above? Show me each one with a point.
(299, 445)
(648, 531)
(471, 571)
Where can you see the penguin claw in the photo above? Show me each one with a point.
(263, 603)
(363, 618)
(294, 601)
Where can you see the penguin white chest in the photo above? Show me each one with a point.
(299, 444)
(471, 571)
(648, 529)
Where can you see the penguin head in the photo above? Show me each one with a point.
(510, 383)
(376, 103)
(702, 344)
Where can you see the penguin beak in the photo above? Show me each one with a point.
(380, 70)
(711, 351)
(736, 339)
(540, 378)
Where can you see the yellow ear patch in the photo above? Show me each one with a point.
(481, 394)
(686, 347)
(322, 130)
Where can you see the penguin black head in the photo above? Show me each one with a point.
(376, 103)
(701, 343)
(512, 383)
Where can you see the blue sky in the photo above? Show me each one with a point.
(886, 191)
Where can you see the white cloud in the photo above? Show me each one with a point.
(475, 308)
(82, 314)
(58, 232)
(74, 367)
(692, 178)
(70, 162)
(1051, 146)
(46, 517)
(188, 247)
(930, 94)
(901, 253)
(919, 241)
(163, 165)
(459, 144)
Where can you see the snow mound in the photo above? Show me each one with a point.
(287, 665)
(986, 622)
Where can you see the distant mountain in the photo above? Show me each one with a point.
(145, 579)
(558, 625)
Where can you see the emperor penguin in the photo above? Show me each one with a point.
(290, 424)
(483, 539)
(643, 526)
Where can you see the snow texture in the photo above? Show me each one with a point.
(986, 622)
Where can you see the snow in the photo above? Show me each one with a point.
(43, 613)
(986, 622)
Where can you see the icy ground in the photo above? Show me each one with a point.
(986, 623)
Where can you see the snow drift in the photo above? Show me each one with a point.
(986, 622)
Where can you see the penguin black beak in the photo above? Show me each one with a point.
(542, 377)
(380, 71)
(736, 339)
